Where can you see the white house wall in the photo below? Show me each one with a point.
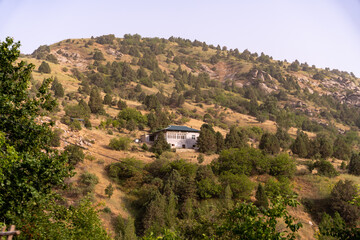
(181, 139)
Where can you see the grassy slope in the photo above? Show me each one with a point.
(308, 186)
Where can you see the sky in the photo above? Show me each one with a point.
(325, 33)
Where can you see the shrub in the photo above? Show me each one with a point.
(75, 154)
(75, 125)
(325, 168)
(124, 170)
(55, 138)
(120, 143)
(281, 187)
(282, 165)
(241, 186)
(88, 181)
(44, 67)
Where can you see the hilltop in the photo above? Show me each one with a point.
(181, 82)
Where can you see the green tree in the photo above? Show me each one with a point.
(207, 140)
(57, 88)
(44, 67)
(340, 201)
(269, 143)
(261, 198)
(220, 142)
(160, 144)
(342, 150)
(107, 99)
(29, 167)
(99, 56)
(354, 165)
(95, 102)
(120, 143)
(301, 145)
(246, 221)
(236, 138)
(282, 165)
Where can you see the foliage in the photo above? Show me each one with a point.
(269, 143)
(278, 187)
(325, 168)
(57, 88)
(44, 67)
(126, 169)
(129, 114)
(160, 145)
(246, 221)
(282, 165)
(301, 146)
(261, 198)
(241, 161)
(74, 153)
(236, 138)
(354, 165)
(241, 186)
(109, 190)
(88, 181)
(120, 143)
(95, 102)
(207, 140)
(340, 201)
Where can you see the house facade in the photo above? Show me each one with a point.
(176, 136)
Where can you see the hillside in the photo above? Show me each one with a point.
(181, 82)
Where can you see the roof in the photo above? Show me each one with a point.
(179, 129)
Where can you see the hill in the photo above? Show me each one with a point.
(183, 82)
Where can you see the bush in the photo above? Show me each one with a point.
(325, 168)
(126, 169)
(44, 67)
(75, 125)
(281, 187)
(55, 138)
(88, 181)
(282, 165)
(241, 186)
(75, 154)
(120, 143)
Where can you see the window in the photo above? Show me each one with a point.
(193, 137)
(183, 146)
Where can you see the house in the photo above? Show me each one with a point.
(176, 136)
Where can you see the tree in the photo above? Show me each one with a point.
(29, 167)
(301, 145)
(107, 99)
(57, 88)
(99, 56)
(342, 150)
(44, 67)
(269, 143)
(236, 138)
(206, 140)
(220, 142)
(340, 201)
(120, 143)
(354, 165)
(261, 198)
(246, 221)
(160, 144)
(95, 102)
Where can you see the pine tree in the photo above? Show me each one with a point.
(269, 143)
(95, 102)
(206, 140)
(220, 142)
(261, 198)
(57, 88)
(107, 99)
(354, 165)
(235, 138)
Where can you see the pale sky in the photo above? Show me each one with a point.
(321, 32)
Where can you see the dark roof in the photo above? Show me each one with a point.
(179, 129)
